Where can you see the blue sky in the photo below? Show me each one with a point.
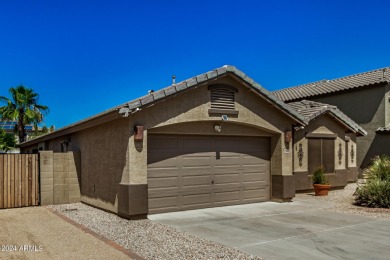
(84, 57)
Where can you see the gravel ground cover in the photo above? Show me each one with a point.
(345, 199)
(146, 238)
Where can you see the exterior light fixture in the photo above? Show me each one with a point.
(138, 132)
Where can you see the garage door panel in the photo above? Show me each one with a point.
(169, 142)
(227, 178)
(210, 171)
(163, 204)
(227, 160)
(195, 172)
(163, 182)
(227, 196)
(253, 144)
(226, 169)
(261, 194)
(255, 176)
(193, 190)
(222, 187)
(164, 192)
(203, 200)
(162, 173)
(160, 159)
(196, 180)
(196, 144)
(226, 144)
(196, 161)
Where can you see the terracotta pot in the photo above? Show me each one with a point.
(321, 189)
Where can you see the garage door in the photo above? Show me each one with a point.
(190, 172)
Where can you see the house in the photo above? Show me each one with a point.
(215, 139)
(364, 97)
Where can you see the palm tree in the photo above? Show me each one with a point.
(7, 141)
(23, 107)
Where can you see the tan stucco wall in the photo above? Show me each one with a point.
(369, 107)
(324, 124)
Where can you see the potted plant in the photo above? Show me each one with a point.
(320, 182)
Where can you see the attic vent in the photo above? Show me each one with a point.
(222, 97)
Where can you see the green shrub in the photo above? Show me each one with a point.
(375, 193)
(319, 176)
(380, 169)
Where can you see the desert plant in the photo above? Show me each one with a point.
(319, 176)
(379, 169)
(375, 193)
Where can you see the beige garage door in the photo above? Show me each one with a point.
(190, 172)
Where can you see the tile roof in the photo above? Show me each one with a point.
(310, 110)
(383, 130)
(330, 86)
(132, 106)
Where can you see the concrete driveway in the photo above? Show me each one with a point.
(298, 230)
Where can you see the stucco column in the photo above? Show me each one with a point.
(133, 190)
(283, 185)
(138, 160)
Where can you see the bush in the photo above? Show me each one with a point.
(380, 169)
(319, 176)
(376, 192)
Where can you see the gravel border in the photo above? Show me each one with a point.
(149, 239)
(344, 199)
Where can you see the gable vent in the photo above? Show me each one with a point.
(222, 97)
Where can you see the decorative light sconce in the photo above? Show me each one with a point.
(287, 136)
(300, 154)
(138, 132)
(138, 137)
(340, 153)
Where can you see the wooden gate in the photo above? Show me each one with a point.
(19, 185)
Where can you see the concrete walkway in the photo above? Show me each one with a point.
(298, 230)
(37, 233)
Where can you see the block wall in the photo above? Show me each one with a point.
(60, 177)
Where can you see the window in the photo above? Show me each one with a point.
(321, 152)
(222, 99)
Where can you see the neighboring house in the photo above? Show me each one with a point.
(215, 139)
(364, 97)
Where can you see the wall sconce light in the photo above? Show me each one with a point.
(287, 136)
(138, 132)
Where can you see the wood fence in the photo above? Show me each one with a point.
(19, 176)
